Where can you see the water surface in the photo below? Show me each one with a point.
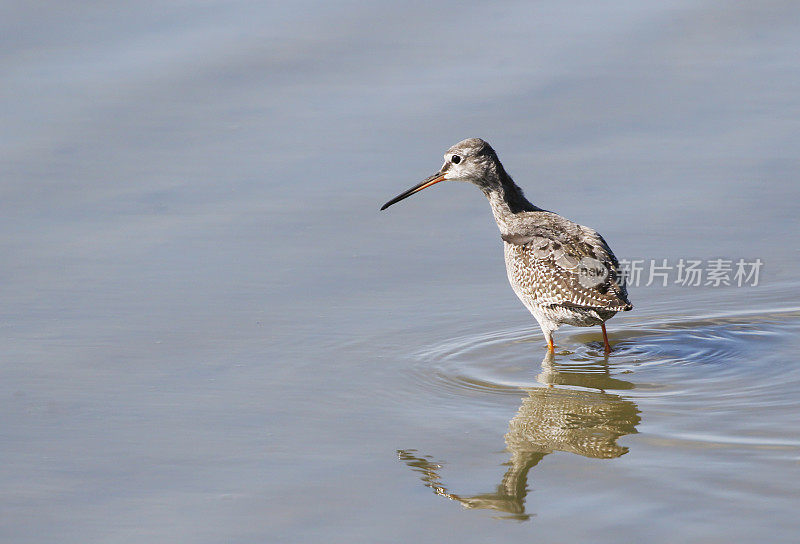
(210, 333)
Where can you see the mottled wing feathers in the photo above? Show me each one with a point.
(556, 261)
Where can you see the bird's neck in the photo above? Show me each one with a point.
(507, 201)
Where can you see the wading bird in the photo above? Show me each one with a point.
(564, 273)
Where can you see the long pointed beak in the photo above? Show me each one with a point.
(436, 178)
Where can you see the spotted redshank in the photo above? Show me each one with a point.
(564, 273)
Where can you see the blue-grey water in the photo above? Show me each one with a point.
(210, 333)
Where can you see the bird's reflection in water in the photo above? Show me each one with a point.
(586, 423)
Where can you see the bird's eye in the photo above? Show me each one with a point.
(455, 159)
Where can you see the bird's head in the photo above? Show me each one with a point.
(472, 160)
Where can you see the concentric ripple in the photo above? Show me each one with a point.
(495, 362)
(504, 361)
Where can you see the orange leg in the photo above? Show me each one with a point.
(551, 347)
(605, 339)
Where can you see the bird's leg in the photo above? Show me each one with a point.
(551, 347)
(548, 335)
(605, 339)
